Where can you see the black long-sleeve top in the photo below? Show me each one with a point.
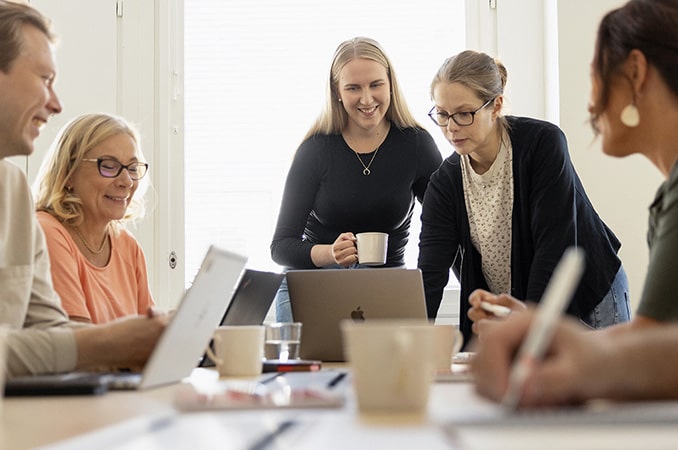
(326, 194)
(551, 212)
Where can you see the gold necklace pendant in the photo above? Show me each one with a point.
(366, 168)
(350, 144)
(84, 242)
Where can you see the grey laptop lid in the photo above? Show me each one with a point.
(251, 301)
(321, 298)
(183, 342)
(253, 297)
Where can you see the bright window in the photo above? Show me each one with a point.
(255, 81)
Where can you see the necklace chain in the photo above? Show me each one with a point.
(91, 250)
(366, 170)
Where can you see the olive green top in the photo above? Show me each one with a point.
(660, 293)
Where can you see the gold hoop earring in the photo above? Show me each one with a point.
(630, 116)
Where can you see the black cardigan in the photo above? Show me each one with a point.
(550, 213)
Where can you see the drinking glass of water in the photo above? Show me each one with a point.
(282, 340)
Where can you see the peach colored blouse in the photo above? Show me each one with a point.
(100, 294)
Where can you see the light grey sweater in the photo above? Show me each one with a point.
(40, 338)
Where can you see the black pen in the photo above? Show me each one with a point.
(271, 378)
(335, 381)
(269, 438)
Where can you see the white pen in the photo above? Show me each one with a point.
(557, 295)
(497, 310)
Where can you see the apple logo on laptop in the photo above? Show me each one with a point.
(358, 314)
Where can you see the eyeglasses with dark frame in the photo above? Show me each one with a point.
(461, 118)
(111, 168)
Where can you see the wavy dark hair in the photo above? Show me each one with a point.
(650, 26)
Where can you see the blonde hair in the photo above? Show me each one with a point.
(66, 153)
(484, 75)
(334, 118)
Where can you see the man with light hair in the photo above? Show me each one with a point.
(41, 339)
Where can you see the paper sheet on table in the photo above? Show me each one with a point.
(282, 390)
(594, 413)
(192, 431)
(192, 400)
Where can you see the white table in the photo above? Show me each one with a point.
(148, 420)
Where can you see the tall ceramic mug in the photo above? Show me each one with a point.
(392, 364)
(448, 342)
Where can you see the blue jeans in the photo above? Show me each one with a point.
(283, 310)
(614, 307)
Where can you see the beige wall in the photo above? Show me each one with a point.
(547, 46)
(620, 189)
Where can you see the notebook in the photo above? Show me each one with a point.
(251, 301)
(179, 348)
(322, 298)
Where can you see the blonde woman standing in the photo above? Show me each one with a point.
(359, 168)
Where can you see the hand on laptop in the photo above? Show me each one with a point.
(477, 312)
(123, 343)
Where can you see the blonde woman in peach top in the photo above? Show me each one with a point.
(85, 193)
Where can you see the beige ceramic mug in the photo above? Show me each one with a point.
(372, 248)
(448, 342)
(392, 364)
(238, 350)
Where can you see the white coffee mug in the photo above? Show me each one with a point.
(238, 350)
(392, 364)
(372, 248)
(448, 342)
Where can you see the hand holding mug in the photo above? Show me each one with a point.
(344, 250)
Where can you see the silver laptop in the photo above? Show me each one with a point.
(321, 298)
(180, 346)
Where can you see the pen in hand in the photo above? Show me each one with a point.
(495, 309)
(557, 295)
